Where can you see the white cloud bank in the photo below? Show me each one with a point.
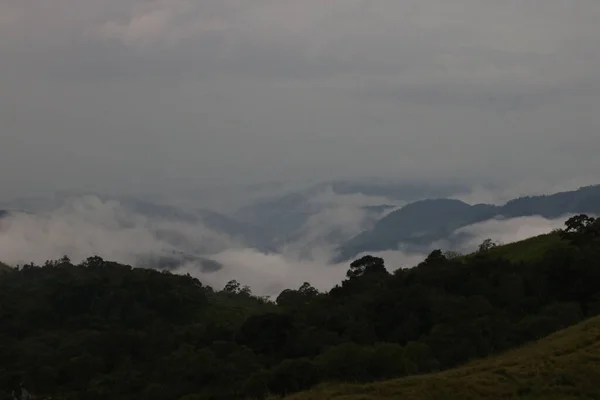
(87, 226)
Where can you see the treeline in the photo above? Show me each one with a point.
(102, 330)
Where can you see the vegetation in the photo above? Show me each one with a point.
(102, 330)
(530, 249)
(562, 366)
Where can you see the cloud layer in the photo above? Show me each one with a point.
(83, 226)
(159, 95)
(86, 226)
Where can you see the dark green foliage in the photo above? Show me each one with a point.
(561, 366)
(104, 330)
(367, 265)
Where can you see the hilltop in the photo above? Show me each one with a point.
(424, 222)
(563, 365)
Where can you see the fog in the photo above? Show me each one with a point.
(503, 231)
(500, 193)
(88, 225)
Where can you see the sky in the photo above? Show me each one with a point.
(159, 95)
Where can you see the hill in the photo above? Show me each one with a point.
(101, 330)
(4, 268)
(422, 223)
(561, 366)
(531, 249)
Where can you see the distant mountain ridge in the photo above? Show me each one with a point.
(424, 222)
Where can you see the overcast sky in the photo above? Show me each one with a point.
(150, 94)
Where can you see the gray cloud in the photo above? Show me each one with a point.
(162, 95)
(501, 194)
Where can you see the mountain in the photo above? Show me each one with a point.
(561, 366)
(282, 217)
(399, 191)
(101, 329)
(246, 233)
(419, 224)
(302, 218)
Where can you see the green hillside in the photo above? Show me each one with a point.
(528, 250)
(565, 365)
(101, 330)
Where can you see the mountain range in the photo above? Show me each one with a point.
(422, 223)
(391, 220)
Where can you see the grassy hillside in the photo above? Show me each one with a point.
(527, 250)
(564, 365)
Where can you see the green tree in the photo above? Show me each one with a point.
(486, 245)
(367, 265)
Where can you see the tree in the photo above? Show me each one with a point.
(307, 291)
(267, 333)
(578, 223)
(486, 245)
(295, 298)
(581, 229)
(232, 286)
(435, 257)
(245, 290)
(93, 262)
(366, 265)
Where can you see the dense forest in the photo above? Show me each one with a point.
(101, 330)
(561, 366)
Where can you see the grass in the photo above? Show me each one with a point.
(565, 365)
(527, 250)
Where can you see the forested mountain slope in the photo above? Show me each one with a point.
(564, 365)
(423, 222)
(104, 330)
